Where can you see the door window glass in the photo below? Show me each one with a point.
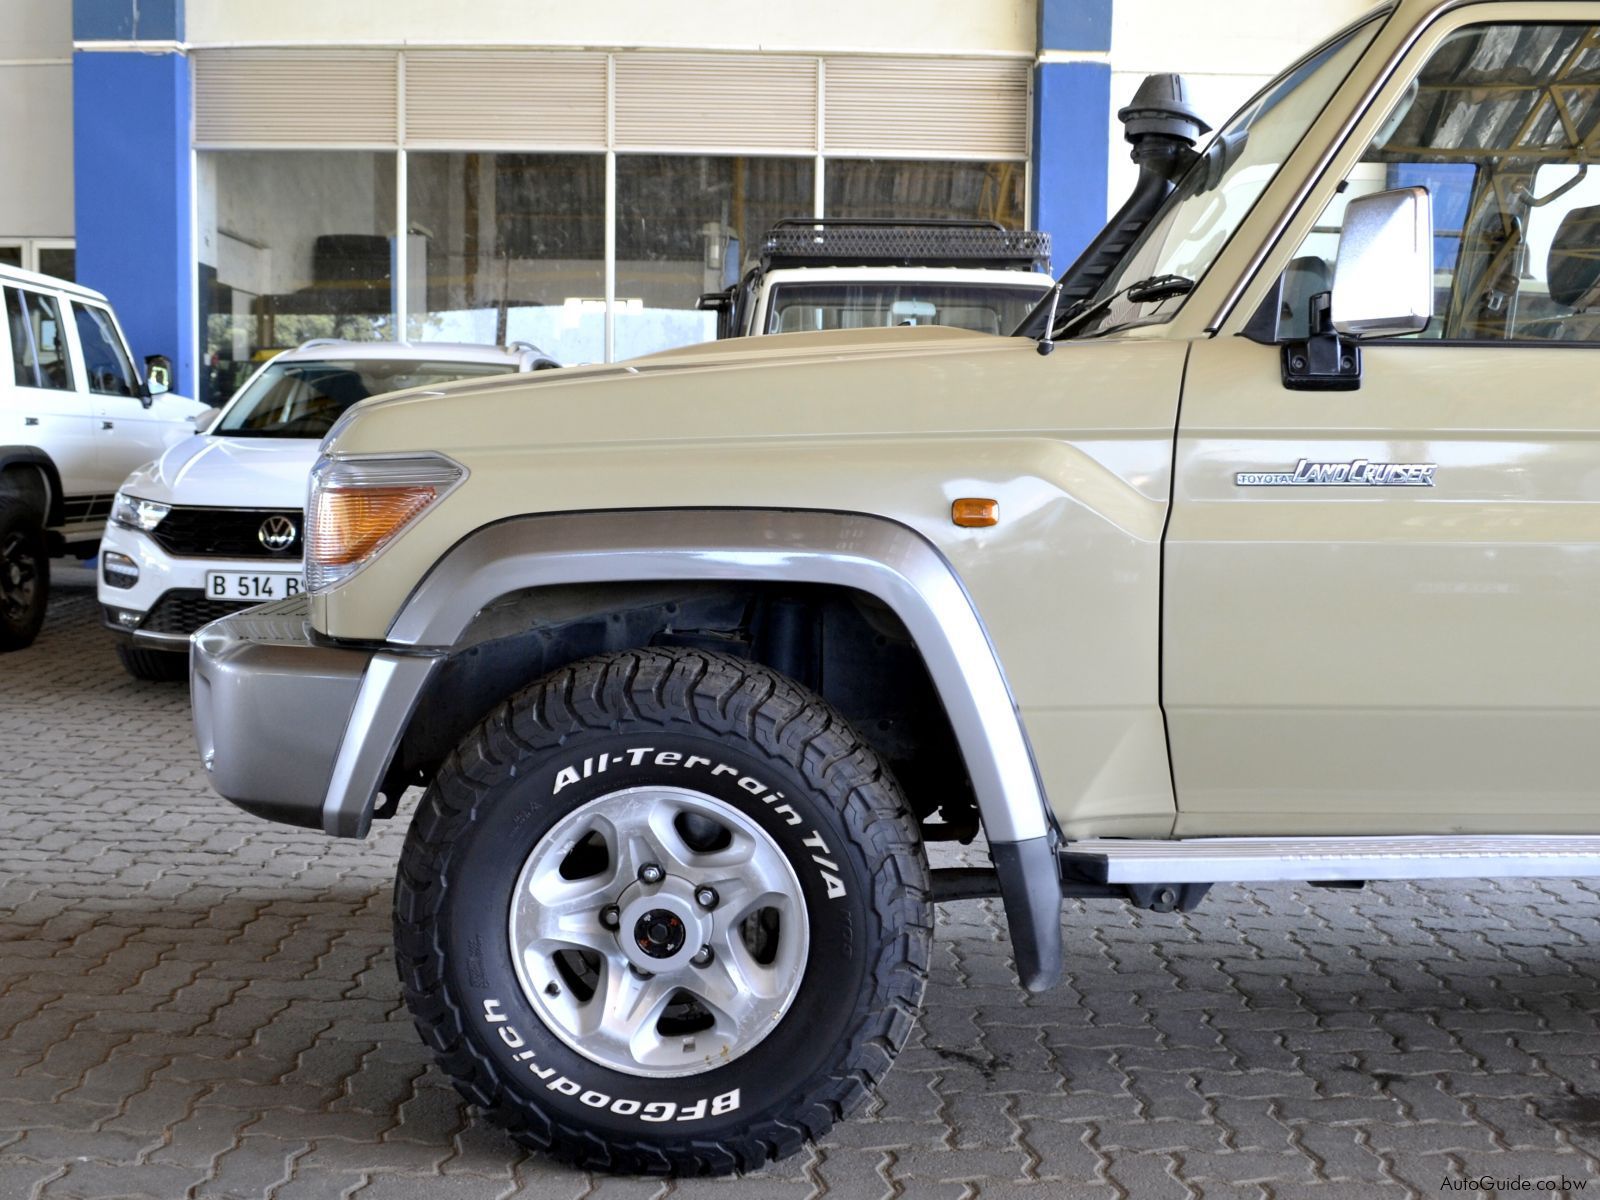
(24, 363)
(1501, 127)
(38, 341)
(104, 359)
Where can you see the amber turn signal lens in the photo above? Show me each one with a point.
(972, 512)
(350, 523)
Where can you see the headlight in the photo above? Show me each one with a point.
(357, 506)
(134, 513)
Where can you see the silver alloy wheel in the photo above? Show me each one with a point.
(613, 956)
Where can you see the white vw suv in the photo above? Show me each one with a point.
(214, 524)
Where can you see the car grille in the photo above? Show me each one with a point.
(225, 533)
(183, 610)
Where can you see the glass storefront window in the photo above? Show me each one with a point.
(48, 256)
(685, 225)
(292, 245)
(60, 261)
(504, 247)
(508, 247)
(887, 187)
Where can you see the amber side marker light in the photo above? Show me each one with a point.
(972, 512)
(351, 523)
(357, 506)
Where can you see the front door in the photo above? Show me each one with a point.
(1382, 606)
(133, 431)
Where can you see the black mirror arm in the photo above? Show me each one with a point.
(1325, 361)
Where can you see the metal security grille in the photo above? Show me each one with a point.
(757, 103)
(910, 106)
(295, 97)
(937, 108)
(224, 533)
(184, 610)
(511, 98)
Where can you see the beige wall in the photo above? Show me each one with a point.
(36, 118)
(911, 25)
(1226, 51)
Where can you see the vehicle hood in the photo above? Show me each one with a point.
(229, 472)
(686, 376)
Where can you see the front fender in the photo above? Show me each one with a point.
(869, 554)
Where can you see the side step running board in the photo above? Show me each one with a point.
(1317, 859)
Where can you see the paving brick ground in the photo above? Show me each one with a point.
(197, 1004)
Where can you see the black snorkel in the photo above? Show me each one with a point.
(1162, 127)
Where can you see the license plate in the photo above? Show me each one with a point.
(252, 585)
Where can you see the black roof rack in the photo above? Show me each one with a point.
(890, 242)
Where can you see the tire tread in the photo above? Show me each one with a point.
(722, 695)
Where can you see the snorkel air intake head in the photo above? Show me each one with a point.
(1162, 124)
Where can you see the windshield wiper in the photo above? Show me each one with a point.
(1141, 291)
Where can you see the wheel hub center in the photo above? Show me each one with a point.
(659, 933)
(659, 927)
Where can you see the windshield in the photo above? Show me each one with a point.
(1220, 189)
(304, 399)
(988, 308)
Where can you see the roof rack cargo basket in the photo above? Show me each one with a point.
(890, 242)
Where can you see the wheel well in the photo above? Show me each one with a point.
(33, 474)
(845, 645)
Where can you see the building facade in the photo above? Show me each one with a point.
(240, 177)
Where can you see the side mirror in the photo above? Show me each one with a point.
(1383, 280)
(205, 419)
(721, 303)
(158, 374)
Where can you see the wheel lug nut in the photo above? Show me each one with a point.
(706, 897)
(650, 873)
(610, 917)
(704, 957)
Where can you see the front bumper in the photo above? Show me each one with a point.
(168, 603)
(295, 731)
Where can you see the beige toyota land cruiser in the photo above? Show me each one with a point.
(1267, 548)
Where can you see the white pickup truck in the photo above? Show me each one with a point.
(815, 274)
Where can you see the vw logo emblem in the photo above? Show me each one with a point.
(277, 533)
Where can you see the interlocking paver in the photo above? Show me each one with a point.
(197, 1004)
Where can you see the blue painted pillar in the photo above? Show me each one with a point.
(1071, 123)
(131, 103)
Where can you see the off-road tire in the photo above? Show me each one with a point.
(155, 666)
(22, 543)
(490, 804)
